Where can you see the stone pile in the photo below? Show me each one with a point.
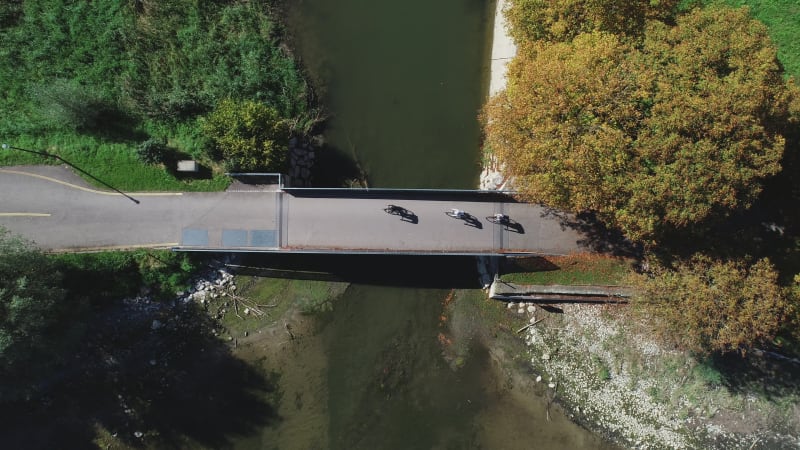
(216, 283)
(301, 160)
(523, 308)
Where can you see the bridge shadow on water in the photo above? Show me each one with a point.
(431, 271)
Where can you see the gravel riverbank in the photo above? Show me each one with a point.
(615, 379)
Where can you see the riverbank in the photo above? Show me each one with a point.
(503, 50)
(611, 376)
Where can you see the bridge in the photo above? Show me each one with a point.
(59, 211)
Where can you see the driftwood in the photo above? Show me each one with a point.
(288, 330)
(528, 326)
(252, 307)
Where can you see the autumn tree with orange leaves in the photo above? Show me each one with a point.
(706, 305)
(671, 131)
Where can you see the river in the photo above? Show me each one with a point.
(403, 82)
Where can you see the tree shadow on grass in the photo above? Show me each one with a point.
(528, 264)
(148, 374)
(769, 375)
(114, 124)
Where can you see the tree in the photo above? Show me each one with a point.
(250, 135)
(562, 20)
(706, 305)
(660, 137)
(31, 301)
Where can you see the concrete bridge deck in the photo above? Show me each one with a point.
(60, 212)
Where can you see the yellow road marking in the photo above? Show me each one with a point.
(114, 247)
(24, 215)
(93, 191)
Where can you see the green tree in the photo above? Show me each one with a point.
(31, 302)
(562, 20)
(705, 305)
(250, 136)
(666, 136)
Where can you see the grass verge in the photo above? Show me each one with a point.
(583, 269)
(782, 17)
(114, 163)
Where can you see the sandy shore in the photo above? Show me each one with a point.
(503, 50)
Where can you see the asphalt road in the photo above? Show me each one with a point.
(59, 211)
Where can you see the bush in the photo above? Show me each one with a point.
(165, 271)
(706, 306)
(152, 151)
(32, 308)
(250, 136)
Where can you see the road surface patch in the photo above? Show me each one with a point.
(85, 189)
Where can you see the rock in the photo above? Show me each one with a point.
(546, 356)
(153, 362)
(214, 295)
(246, 334)
(156, 325)
(532, 320)
(551, 385)
(531, 308)
(521, 311)
(538, 378)
(246, 311)
(511, 305)
(233, 287)
(180, 293)
(138, 434)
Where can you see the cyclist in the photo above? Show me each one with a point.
(502, 218)
(457, 213)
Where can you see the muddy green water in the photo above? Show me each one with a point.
(403, 82)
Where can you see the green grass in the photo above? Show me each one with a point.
(91, 79)
(782, 17)
(281, 294)
(568, 270)
(114, 163)
(120, 274)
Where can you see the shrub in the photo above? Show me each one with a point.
(705, 305)
(152, 151)
(249, 135)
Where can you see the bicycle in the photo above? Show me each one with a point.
(456, 214)
(499, 219)
(394, 210)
